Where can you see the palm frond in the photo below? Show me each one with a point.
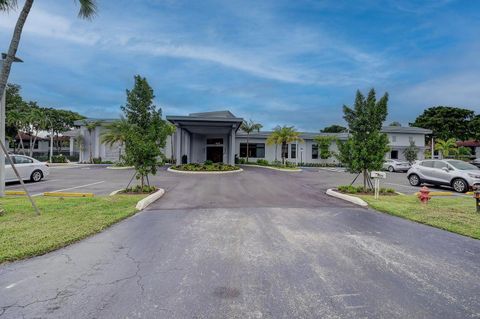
(7, 5)
(88, 9)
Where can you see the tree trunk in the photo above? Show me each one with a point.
(12, 50)
(33, 146)
(247, 147)
(21, 143)
(365, 175)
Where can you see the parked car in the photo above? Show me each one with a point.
(28, 168)
(476, 162)
(393, 165)
(455, 173)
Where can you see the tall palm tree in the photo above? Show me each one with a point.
(116, 132)
(446, 147)
(283, 135)
(91, 126)
(38, 122)
(16, 119)
(249, 127)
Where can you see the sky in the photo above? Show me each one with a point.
(278, 62)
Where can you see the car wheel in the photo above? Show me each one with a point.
(460, 185)
(36, 176)
(414, 180)
(391, 169)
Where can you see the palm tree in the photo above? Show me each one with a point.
(116, 132)
(38, 122)
(91, 126)
(282, 136)
(249, 127)
(446, 147)
(16, 119)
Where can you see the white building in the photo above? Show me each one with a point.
(216, 136)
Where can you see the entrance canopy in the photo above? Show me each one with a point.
(196, 131)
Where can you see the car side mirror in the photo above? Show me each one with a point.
(445, 169)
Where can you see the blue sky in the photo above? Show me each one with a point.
(274, 61)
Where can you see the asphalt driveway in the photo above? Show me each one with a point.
(258, 244)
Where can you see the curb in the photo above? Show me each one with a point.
(115, 192)
(348, 198)
(204, 172)
(119, 167)
(144, 203)
(274, 168)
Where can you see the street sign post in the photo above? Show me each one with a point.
(376, 175)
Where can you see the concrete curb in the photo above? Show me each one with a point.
(274, 168)
(119, 167)
(144, 203)
(348, 198)
(203, 172)
(115, 192)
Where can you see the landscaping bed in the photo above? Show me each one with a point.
(359, 190)
(63, 221)
(455, 214)
(206, 167)
(274, 164)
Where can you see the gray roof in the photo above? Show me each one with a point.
(216, 116)
(221, 114)
(91, 120)
(405, 130)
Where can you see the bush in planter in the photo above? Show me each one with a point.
(350, 189)
(208, 162)
(262, 162)
(59, 159)
(242, 160)
(139, 189)
(97, 160)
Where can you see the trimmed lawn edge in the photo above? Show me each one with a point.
(352, 199)
(56, 246)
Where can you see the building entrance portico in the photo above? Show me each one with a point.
(205, 136)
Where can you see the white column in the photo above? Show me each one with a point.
(178, 146)
(231, 159)
(71, 145)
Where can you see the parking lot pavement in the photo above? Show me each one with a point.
(79, 178)
(255, 244)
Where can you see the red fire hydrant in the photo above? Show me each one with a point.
(424, 195)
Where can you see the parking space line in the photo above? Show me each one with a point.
(70, 188)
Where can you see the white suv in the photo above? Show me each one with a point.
(458, 174)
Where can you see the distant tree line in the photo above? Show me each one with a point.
(28, 119)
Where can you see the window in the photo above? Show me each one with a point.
(394, 138)
(427, 163)
(256, 150)
(314, 151)
(214, 141)
(285, 150)
(440, 164)
(394, 154)
(22, 160)
(293, 151)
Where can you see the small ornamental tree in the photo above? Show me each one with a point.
(324, 143)
(411, 152)
(146, 133)
(366, 146)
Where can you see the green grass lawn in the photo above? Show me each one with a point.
(62, 222)
(455, 214)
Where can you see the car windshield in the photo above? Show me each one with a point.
(461, 165)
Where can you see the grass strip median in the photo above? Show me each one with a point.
(455, 214)
(63, 221)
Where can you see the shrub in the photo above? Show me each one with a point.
(208, 162)
(97, 160)
(351, 189)
(262, 162)
(139, 189)
(59, 159)
(202, 167)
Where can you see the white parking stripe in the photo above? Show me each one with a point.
(70, 188)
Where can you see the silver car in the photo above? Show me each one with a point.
(458, 174)
(28, 168)
(393, 165)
